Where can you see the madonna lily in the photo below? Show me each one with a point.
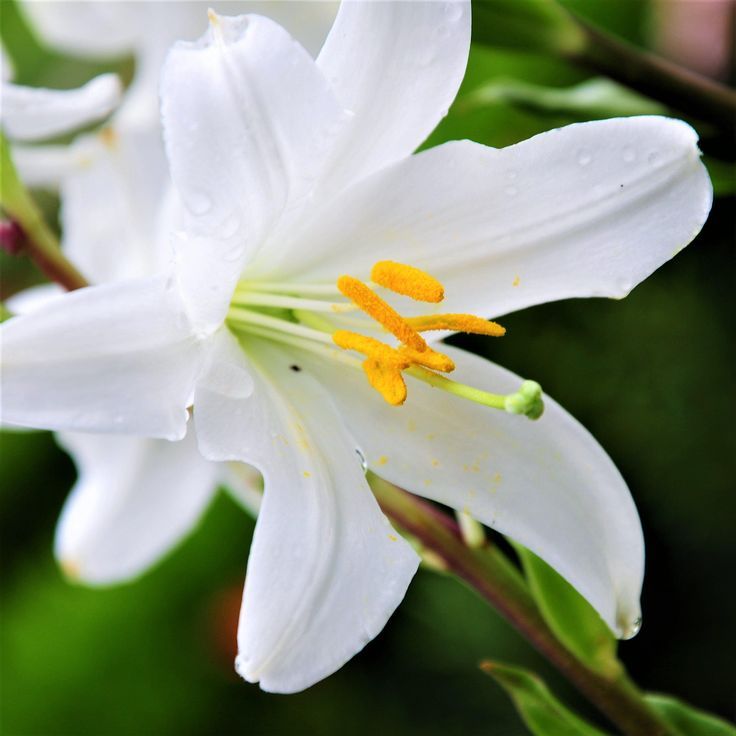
(309, 236)
(135, 497)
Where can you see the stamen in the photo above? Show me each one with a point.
(429, 359)
(239, 317)
(370, 347)
(457, 323)
(407, 280)
(375, 307)
(244, 297)
(387, 379)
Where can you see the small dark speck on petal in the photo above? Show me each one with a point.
(295, 368)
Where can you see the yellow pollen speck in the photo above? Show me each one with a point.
(382, 460)
(457, 323)
(407, 280)
(306, 474)
(393, 537)
(516, 281)
(109, 137)
(435, 463)
(497, 478)
(213, 17)
(382, 312)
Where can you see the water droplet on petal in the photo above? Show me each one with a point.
(584, 156)
(441, 32)
(229, 227)
(633, 629)
(623, 286)
(511, 174)
(234, 253)
(363, 461)
(198, 203)
(629, 155)
(653, 157)
(453, 11)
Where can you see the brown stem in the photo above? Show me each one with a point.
(492, 576)
(41, 246)
(683, 90)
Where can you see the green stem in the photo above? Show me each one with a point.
(39, 243)
(491, 575)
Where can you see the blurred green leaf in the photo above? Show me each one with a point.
(688, 720)
(723, 176)
(594, 98)
(529, 26)
(574, 621)
(540, 710)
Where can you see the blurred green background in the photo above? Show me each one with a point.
(650, 376)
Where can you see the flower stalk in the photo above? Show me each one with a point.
(490, 574)
(39, 242)
(678, 87)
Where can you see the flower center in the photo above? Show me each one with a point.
(313, 317)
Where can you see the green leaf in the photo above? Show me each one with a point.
(574, 621)
(543, 714)
(723, 176)
(593, 99)
(688, 720)
(529, 26)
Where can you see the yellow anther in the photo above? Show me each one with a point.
(370, 347)
(387, 379)
(456, 323)
(408, 281)
(383, 313)
(429, 359)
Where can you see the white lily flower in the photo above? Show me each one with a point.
(299, 188)
(114, 188)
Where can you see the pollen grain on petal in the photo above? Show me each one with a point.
(382, 312)
(457, 323)
(408, 281)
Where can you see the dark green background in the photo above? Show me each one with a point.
(650, 376)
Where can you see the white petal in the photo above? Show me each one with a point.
(46, 165)
(547, 484)
(134, 500)
(97, 29)
(31, 299)
(111, 205)
(326, 570)
(397, 66)
(115, 358)
(248, 122)
(245, 485)
(32, 113)
(586, 210)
